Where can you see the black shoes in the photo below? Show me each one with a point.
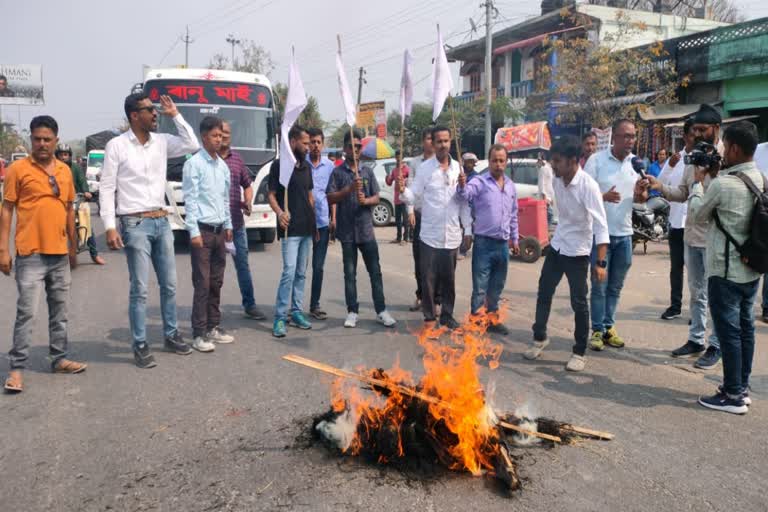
(255, 313)
(725, 403)
(143, 357)
(498, 329)
(690, 349)
(708, 359)
(450, 323)
(670, 314)
(177, 345)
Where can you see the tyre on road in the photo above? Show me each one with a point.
(382, 214)
(530, 250)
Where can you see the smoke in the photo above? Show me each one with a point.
(527, 414)
(340, 431)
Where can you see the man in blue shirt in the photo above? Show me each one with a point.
(325, 217)
(612, 169)
(209, 223)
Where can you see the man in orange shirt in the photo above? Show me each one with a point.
(41, 190)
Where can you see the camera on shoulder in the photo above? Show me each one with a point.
(704, 154)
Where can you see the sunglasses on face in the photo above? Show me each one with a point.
(54, 185)
(148, 109)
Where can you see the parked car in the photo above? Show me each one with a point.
(384, 212)
(523, 171)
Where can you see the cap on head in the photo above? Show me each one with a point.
(469, 156)
(707, 115)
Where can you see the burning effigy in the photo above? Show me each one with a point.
(443, 418)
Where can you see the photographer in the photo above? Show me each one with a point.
(729, 204)
(706, 127)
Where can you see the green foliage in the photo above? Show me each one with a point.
(309, 118)
(255, 59)
(589, 75)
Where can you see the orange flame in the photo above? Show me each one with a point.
(452, 375)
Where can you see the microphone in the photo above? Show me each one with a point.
(638, 164)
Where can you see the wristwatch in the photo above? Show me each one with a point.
(601, 263)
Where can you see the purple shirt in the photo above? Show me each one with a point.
(240, 178)
(494, 208)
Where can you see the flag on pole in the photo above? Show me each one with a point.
(294, 105)
(346, 96)
(406, 86)
(442, 83)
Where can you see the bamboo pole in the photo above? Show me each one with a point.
(351, 128)
(456, 136)
(405, 390)
(285, 203)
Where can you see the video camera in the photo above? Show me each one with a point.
(704, 154)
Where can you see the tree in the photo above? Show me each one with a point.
(589, 76)
(717, 10)
(255, 59)
(10, 139)
(309, 118)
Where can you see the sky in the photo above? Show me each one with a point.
(92, 52)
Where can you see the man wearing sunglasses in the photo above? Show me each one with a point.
(133, 183)
(41, 190)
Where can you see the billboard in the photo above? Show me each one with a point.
(372, 117)
(21, 84)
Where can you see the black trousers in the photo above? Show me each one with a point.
(401, 220)
(208, 264)
(576, 270)
(438, 276)
(416, 253)
(677, 268)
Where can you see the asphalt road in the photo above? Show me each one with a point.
(215, 432)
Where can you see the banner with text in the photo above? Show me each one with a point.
(372, 117)
(21, 84)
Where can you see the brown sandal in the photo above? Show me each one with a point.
(14, 383)
(67, 366)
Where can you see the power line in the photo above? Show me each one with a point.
(174, 45)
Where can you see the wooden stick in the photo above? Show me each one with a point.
(285, 203)
(607, 436)
(405, 390)
(456, 135)
(351, 128)
(510, 426)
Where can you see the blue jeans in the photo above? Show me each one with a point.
(695, 260)
(733, 315)
(319, 251)
(370, 252)
(490, 261)
(605, 296)
(149, 241)
(32, 272)
(295, 254)
(240, 238)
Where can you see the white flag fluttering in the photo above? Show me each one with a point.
(442, 83)
(406, 86)
(346, 96)
(294, 105)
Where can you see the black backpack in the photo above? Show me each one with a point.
(754, 251)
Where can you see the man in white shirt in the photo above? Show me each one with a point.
(671, 175)
(612, 169)
(414, 213)
(761, 161)
(133, 183)
(442, 214)
(581, 211)
(546, 191)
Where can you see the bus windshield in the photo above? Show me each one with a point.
(96, 160)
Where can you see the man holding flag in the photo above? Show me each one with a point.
(290, 197)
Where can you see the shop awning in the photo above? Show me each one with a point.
(524, 137)
(668, 112)
(727, 120)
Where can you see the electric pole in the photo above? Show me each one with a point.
(186, 40)
(231, 40)
(360, 81)
(488, 71)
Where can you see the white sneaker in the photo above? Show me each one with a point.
(385, 319)
(351, 320)
(576, 363)
(219, 335)
(203, 345)
(535, 349)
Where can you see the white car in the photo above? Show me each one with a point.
(384, 212)
(523, 171)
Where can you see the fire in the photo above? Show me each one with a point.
(457, 416)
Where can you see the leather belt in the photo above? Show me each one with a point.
(151, 214)
(211, 228)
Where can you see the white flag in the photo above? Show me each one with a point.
(442, 83)
(346, 96)
(406, 86)
(294, 105)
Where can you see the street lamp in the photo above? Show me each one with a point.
(231, 40)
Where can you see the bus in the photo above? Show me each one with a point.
(246, 101)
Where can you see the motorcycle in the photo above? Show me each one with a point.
(650, 221)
